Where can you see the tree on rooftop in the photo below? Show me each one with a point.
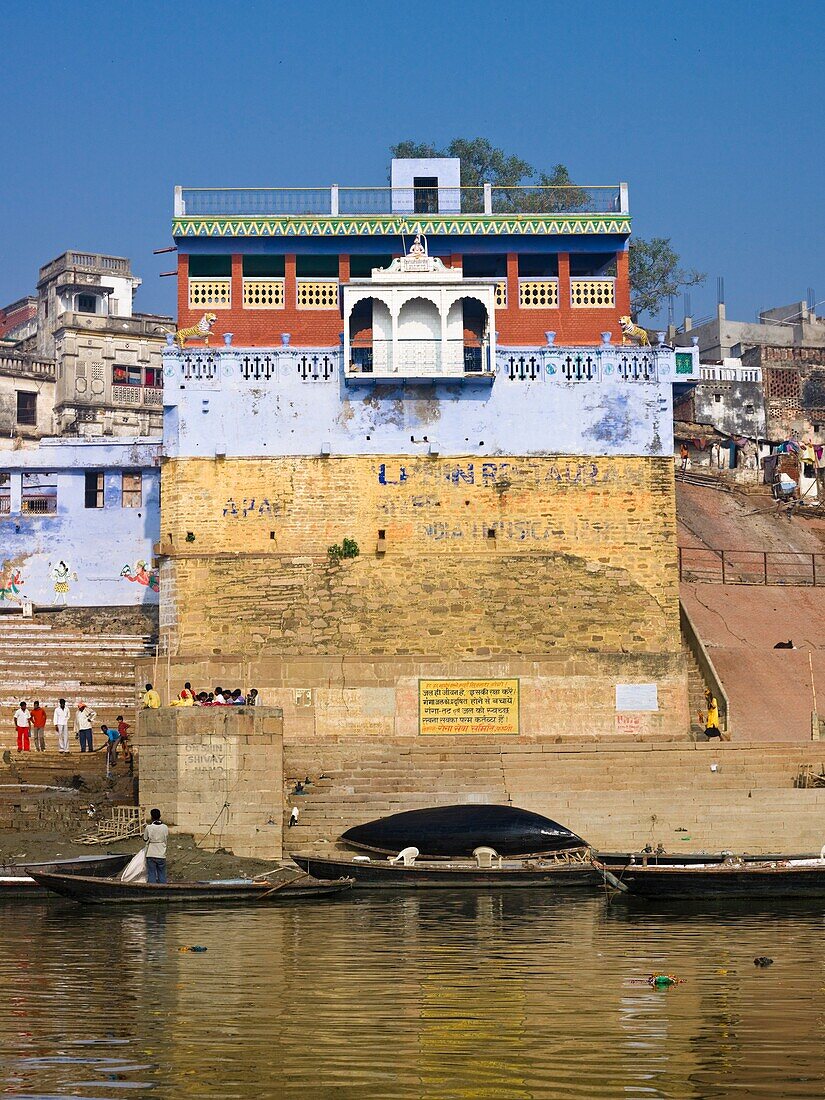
(655, 275)
(482, 162)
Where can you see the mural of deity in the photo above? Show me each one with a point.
(10, 581)
(140, 575)
(61, 574)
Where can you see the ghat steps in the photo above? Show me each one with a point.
(42, 661)
(696, 795)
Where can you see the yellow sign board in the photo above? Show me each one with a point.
(468, 706)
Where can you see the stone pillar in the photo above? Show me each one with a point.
(217, 773)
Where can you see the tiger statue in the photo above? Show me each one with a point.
(634, 334)
(202, 330)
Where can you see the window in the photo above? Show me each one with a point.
(210, 267)
(425, 195)
(717, 397)
(86, 303)
(592, 265)
(316, 267)
(5, 493)
(27, 408)
(360, 267)
(263, 267)
(489, 266)
(132, 489)
(39, 495)
(538, 265)
(749, 409)
(94, 489)
(124, 374)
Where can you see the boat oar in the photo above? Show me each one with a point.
(280, 885)
(611, 879)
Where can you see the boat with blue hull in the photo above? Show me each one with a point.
(459, 830)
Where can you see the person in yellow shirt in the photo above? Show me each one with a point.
(186, 697)
(151, 699)
(712, 719)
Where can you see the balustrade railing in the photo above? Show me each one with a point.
(263, 293)
(317, 293)
(326, 201)
(587, 293)
(594, 364)
(39, 505)
(538, 293)
(210, 292)
(23, 364)
(429, 358)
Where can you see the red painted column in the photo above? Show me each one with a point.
(237, 286)
(566, 327)
(622, 285)
(183, 287)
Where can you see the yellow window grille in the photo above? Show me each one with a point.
(317, 294)
(501, 294)
(538, 293)
(263, 293)
(210, 292)
(590, 293)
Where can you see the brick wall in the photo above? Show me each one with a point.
(322, 327)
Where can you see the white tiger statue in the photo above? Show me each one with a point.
(202, 330)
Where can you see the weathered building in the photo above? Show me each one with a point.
(793, 381)
(26, 399)
(795, 325)
(419, 486)
(78, 521)
(106, 357)
(728, 398)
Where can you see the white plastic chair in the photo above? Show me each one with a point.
(407, 856)
(485, 856)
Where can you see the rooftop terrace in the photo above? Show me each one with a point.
(332, 201)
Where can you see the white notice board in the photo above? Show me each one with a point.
(637, 697)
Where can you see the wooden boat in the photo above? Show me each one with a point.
(455, 874)
(101, 891)
(781, 878)
(620, 860)
(17, 882)
(459, 830)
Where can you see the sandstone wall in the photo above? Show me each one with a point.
(557, 570)
(217, 774)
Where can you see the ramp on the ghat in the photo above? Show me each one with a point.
(772, 692)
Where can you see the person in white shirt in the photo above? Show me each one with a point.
(22, 723)
(156, 835)
(60, 719)
(83, 718)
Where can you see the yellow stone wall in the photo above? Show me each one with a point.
(583, 554)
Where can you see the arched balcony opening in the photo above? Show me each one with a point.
(468, 335)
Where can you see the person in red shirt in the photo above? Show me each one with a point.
(38, 727)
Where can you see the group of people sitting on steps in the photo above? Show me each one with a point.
(188, 697)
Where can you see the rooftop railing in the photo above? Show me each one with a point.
(406, 201)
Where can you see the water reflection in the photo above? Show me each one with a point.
(438, 995)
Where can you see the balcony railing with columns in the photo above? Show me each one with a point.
(317, 293)
(590, 293)
(538, 293)
(263, 293)
(430, 360)
(216, 293)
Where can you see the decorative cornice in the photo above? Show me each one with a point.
(467, 225)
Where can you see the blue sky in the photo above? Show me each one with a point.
(712, 111)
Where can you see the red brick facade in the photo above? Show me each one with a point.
(322, 327)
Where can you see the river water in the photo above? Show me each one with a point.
(439, 995)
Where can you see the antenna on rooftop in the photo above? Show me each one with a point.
(811, 299)
(720, 290)
(670, 305)
(687, 304)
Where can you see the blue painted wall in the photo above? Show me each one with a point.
(299, 404)
(101, 547)
(437, 244)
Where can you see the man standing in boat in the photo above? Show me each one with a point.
(156, 835)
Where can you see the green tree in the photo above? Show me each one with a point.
(655, 275)
(482, 162)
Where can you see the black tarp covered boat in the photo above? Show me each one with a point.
(16, 879)
(459, 830)
(619, 860)
(102, 891)
(454, 874)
